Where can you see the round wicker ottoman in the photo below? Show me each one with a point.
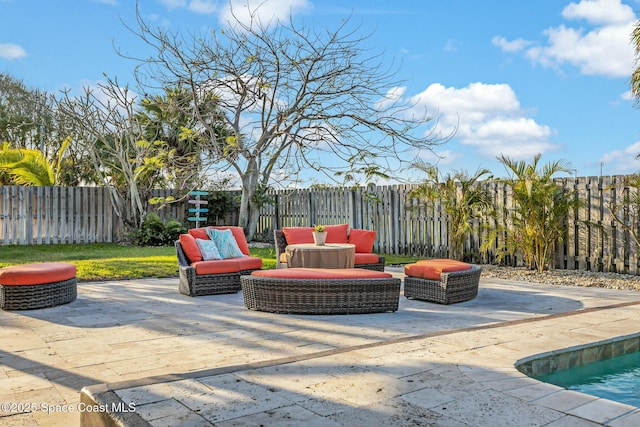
(41, 285)
(321, 291)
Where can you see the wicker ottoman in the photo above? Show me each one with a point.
(321, 291)
(31, 286)
(443, 281)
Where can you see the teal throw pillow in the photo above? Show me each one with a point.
(225, 242)
(208, 249)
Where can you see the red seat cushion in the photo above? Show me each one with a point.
(322, 273)
(217, 266)
(249, 263)
(366, 258)
(36, 274)
(432, 269)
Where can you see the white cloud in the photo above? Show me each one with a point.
(510, 46)
(623, 161)
(204, 7)
(441, 157)
(452, 45)
(487, 117)
(262, 11)
(173, 4)
(600, 12)
(603, 49)
(392, 96)
(11, 51)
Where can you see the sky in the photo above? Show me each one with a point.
(514, 78)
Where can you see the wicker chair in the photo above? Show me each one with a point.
(452, 287)
(194, 285)
(281, 245)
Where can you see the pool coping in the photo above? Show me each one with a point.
(556, 360)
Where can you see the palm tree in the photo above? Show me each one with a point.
(541, 206)
(635, 76)
(24, 166)
(461, 196)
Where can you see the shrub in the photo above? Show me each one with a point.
(154, 232)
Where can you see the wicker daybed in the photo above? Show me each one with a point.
(442, 281)
(321, 291)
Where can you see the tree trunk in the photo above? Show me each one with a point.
(249, 213)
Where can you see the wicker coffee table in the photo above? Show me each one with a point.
(321, 291)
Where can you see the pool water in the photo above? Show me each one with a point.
(617, 378)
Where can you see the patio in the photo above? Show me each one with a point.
(196, 361)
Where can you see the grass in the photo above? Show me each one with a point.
(111, 261)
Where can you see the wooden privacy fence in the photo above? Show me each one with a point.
(51, 215)
(405, 226)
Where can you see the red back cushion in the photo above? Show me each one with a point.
(298, 235)
(338, 233)
(199, 233)
(190, 247)
(238, 235)
(363, 239)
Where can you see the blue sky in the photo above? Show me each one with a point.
(516, 77)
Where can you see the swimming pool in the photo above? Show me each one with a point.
(609, 369)
(616, 379)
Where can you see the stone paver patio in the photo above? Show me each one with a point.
(176, 360)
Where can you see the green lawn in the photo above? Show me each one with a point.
(110, 261)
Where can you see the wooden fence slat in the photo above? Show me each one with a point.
(582, 217)
(594, 242)
(621, 235)
(569, 248)
(5, 216)
(607, 249)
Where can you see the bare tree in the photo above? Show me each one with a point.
(292, 98)
(27, 117)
